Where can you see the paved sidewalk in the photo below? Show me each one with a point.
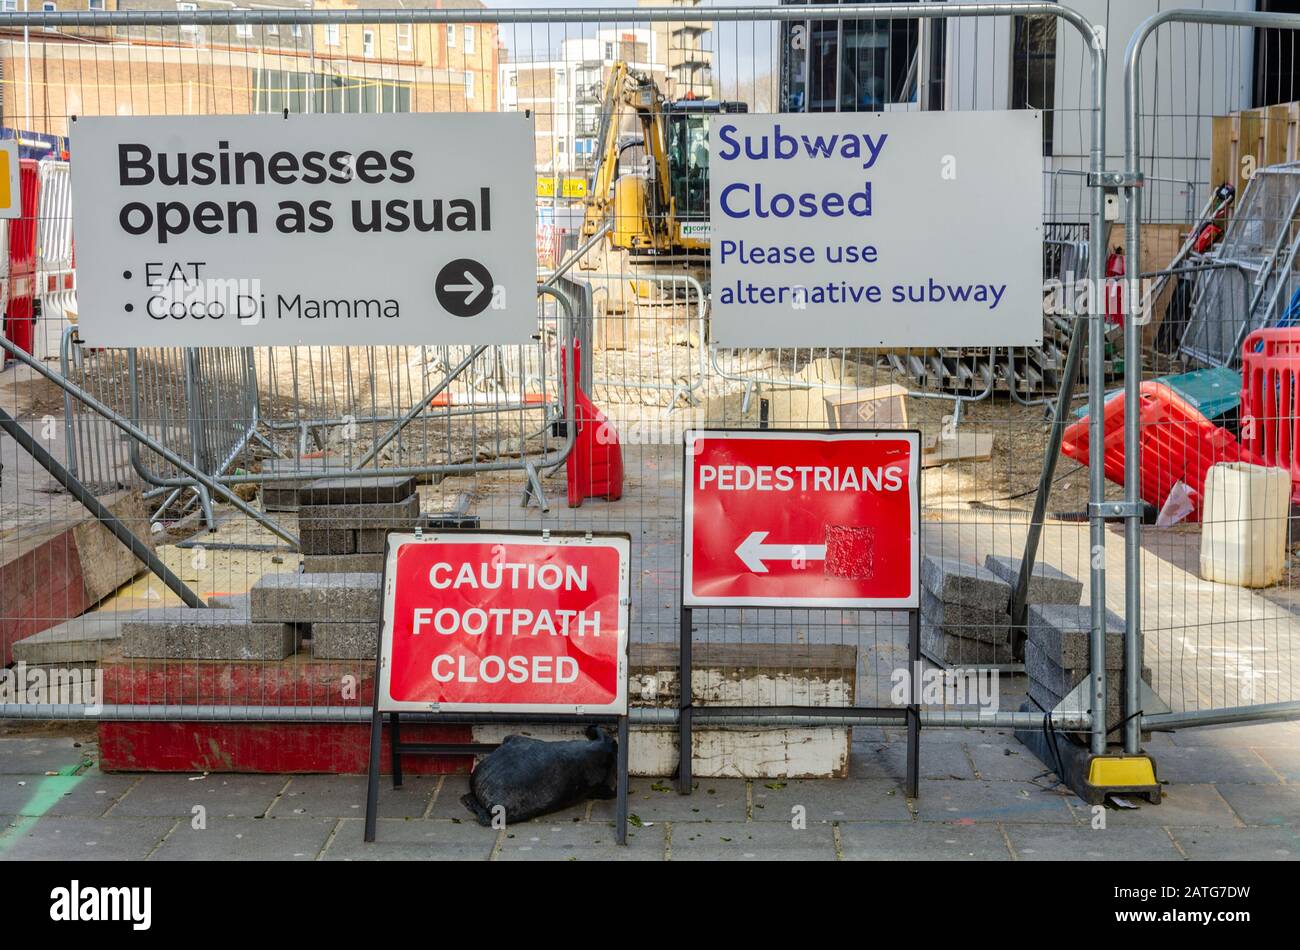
(1232, 792)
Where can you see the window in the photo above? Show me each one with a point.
(368, 43)
(331, 34)
(451, 36)
(48, 7)
(469, 40)
(469, 84)
(300, 92)
(272, 30)
(243, 29)
(96, 6)
(187, 8)
(1033, 69)
(609, 50)
(1277, 68)
(404, 36)
(849, 65)
(296, 30)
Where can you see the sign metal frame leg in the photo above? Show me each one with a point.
(913, 708)
(685, 705)
(753, 552)
(908, 716)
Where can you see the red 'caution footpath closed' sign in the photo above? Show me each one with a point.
(503, 622)
(802, 519)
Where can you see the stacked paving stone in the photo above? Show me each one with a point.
(342, 610)
(1056, 655)
(1047, 585)
(213, 633)
(281, 494)
(343, 521)
(964, 619)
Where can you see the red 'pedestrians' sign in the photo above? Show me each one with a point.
(802, 519)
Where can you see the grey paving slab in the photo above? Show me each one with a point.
(83, 796)
(712, 800)
(344, 796)
(356, 490)
(210, 633)
(1181, 765)
(761, 840)
(1085, 843)
(247, 839)
(1002, 758)
(829, 800)
(447, 804)
(303, 598)
(1253, 735)
(1197, 805)
(1047, 585)
(81, 839)
(397, 515)
(421, 840)
(1283, 761)
(542, 840)
(921, 841)
(979, 800)
(41, 755)
(875, 760)
(959, 583)
(1277, 843)
(1264, 804)
(223, 796)
(344, 641)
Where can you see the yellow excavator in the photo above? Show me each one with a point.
(662, 210)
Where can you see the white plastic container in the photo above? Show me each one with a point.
(1244, 524)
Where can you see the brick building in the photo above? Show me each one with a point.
(241, 68)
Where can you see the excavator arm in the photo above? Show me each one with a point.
(634, 91)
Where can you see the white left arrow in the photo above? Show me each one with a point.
(753, 552)
(471, 289)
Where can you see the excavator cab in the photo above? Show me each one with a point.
(687, 139)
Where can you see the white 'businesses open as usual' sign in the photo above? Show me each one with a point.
(303, 229)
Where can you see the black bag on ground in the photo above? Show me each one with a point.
(528, 777)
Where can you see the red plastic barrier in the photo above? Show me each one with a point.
(1177, 443)
(1270, 388)
(595, 465)
(20, 315)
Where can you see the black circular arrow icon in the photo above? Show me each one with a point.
(464, 287)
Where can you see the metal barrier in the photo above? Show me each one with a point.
(223, 425)
(1218, 652)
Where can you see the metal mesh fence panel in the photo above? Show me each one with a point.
(479, 429)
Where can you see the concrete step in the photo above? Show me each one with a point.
(305, 598)
(84, 639)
